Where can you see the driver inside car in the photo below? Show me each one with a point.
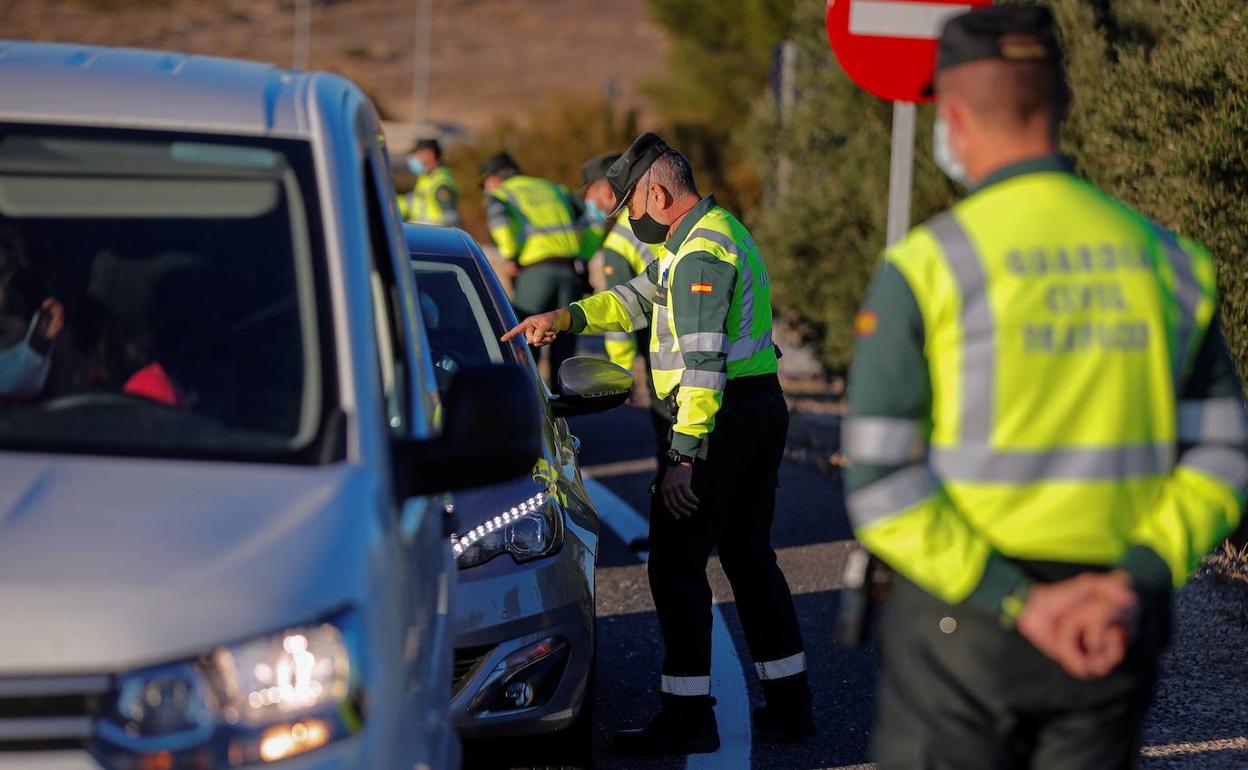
(28, 329)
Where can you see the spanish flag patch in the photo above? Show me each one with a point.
(866, 323)
(701, 288)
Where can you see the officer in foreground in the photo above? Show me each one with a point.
(1046, 434)
(533, 223)
(708, 302)
(620, 258)
(434, 198)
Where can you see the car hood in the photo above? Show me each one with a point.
(110, 564)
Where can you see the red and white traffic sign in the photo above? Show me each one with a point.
(888, 47)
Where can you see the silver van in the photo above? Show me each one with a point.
(223, 452)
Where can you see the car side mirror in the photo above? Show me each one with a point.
(491, 432)
(590, 385)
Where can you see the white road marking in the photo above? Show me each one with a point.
(920, 21)
(621, 468)
(1176, 749)
(732, 707)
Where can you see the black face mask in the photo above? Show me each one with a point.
(647, 230)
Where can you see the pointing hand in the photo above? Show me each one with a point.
(542, 329)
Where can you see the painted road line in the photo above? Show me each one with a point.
(732, 703)
(732, 707)
(1152, 752)
(921, 21)
(621, 468)
(1205, 747)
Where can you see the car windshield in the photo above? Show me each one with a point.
(458, 323)
(157, 293)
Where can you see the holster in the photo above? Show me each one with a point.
(866, 583)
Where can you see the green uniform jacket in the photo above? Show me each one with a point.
(434, 200)
(1039, 375)
(708, 305)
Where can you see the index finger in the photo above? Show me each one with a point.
(511, 335)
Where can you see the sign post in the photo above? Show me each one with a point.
(888, 47)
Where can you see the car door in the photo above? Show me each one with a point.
(412, 410)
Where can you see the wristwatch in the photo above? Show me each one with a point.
(675, 458)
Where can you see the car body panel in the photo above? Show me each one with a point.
(503, 606)
(136, 561)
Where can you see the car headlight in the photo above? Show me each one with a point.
(263, 700)
(528, 530)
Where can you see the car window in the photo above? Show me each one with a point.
(460, 330)
(158, 293)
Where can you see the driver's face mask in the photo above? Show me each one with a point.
(22, 370)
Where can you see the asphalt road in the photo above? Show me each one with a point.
(1199, 719)
(809, 534)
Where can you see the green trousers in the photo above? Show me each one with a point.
(958, 692)
(541, 288)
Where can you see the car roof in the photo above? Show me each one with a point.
(95, 85)
(431, 241)
(448, 244)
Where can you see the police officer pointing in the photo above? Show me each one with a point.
(1046, 434)
(708, 304)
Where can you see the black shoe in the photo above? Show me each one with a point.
(675, 730)
(792, 725)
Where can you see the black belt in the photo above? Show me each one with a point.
(569, 262)
(755, 385)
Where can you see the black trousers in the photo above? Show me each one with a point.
(541, 288)
(736, 487)
(975, 695)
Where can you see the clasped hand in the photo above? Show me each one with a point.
(1084, 623)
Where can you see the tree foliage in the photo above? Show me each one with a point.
(1160, 120)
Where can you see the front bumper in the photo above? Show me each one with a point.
(503, 607)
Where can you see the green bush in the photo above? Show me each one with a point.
(821, 233)
(1160, 119)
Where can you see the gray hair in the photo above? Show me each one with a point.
(673, 172)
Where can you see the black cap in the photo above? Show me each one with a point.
(977, 35)
(596, 167)
(497, 163)
(626, 172)
(429, 144)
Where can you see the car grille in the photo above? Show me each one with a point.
(48, 713)
(467, 660)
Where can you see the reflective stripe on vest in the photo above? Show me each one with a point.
(1215, 421)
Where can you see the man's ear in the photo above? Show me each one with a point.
(661, 198)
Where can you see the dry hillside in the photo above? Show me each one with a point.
(490, 57)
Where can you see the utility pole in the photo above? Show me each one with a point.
(422, 64)
(303, 34)
(788, 97)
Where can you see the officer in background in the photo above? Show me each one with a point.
(621, 257)
(708, 303)
(1046, 434)
(533, 223)
(434, 198)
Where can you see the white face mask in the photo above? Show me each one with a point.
(942, 153)
(22, 370)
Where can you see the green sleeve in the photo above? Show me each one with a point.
(1203, 499)
(504, 228)
(702, 288)
(625, 307)
(448, 201)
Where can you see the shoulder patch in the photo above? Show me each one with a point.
(701, 288)
(866, 323)
(445, 195)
